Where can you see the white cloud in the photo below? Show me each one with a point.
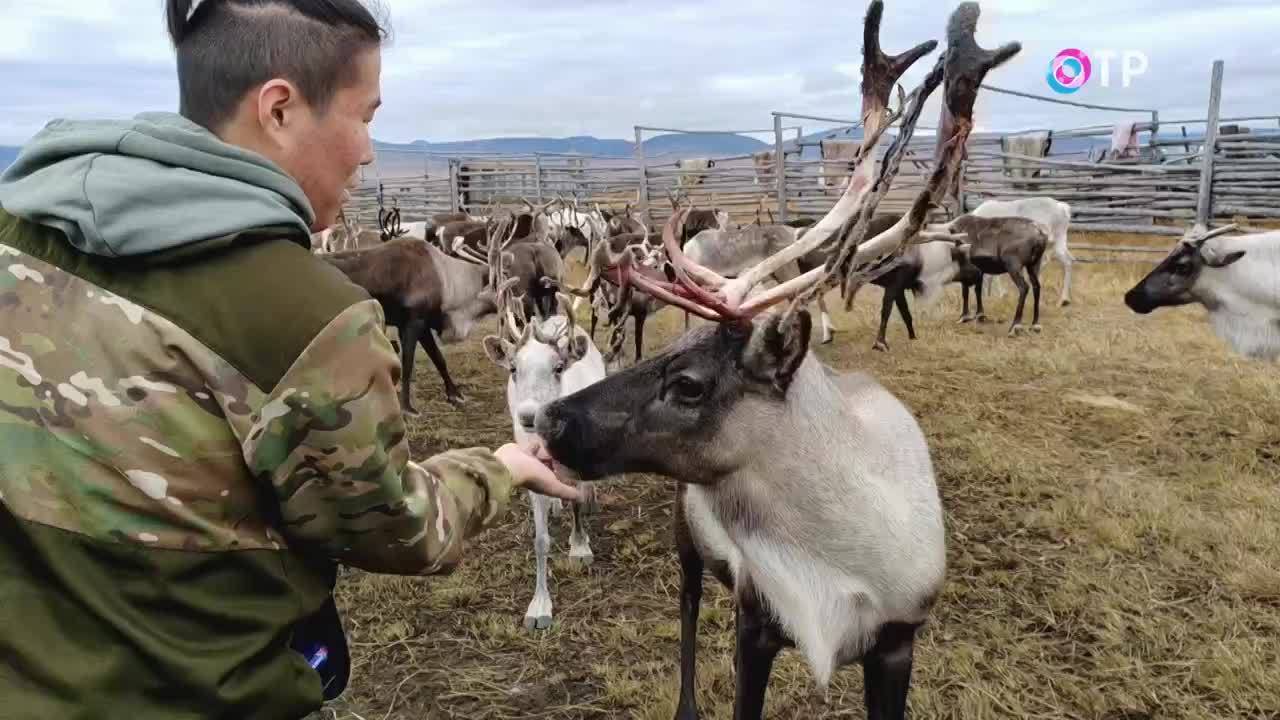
(480, 68)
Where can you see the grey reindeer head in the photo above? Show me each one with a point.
(1171, 282)
(670, 414)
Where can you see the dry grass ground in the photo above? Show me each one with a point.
(1112, 500)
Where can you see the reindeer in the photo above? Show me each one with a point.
(1000, 245)
(389, 226)
(421, 291)
(809, 493)
(924, 268)
(572, 228)
(625, 222)
(547, 359)
(1242, 298)
(1052, 216)
(695, 171)
(838, 158)
(625, 302)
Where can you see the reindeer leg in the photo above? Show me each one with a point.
(886, 672)
(965, 317)
(886, 309)
(639, 322)
(905, 312)
(451, 392)
(579, 540)
(410, 331)
(690, 603)
(538, 616)
(757, 645)
(1015, 274)
(828, 330)
(1033, 274)
(1063, 254)
(982, 314)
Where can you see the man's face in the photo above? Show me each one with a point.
(325, 151)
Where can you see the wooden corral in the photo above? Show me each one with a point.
(1113, 552)
(1135, 174)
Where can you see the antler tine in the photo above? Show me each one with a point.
(1202, 239)
(879, 74)
(682, 261)
(963, 67)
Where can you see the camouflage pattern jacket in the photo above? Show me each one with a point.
(187, 447)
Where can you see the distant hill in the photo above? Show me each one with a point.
(680, 144)
(7, 155)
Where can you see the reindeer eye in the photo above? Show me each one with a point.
(686, 389)
(1182, 268)
(559, 369)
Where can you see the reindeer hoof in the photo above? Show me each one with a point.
(983, 319)
(965, 319)
(582, 560)
(828, 336)
(456, 399)
(1064, 302)
(1036, 328)
(882, 347)
(1015, 330)
(537, 622)
(411, 411)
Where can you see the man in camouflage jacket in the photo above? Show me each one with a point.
(198, 417)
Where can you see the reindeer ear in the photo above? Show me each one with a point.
(497, 351)
(1224, 261)
(578, 345)
(776, 349)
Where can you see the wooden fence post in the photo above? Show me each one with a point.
(454, 203)
(643, 197)
(780, 167)
(1204, 200)
(537, 176)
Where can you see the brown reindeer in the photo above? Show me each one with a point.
(1000, 245)
(424, 291)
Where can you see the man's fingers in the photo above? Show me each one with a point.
(558, 489)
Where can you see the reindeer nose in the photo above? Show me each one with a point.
(551, 425)
(527, 416)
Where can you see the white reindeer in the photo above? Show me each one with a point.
(547, 359)
(1236, 278)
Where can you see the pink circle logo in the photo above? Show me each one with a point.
(1069, 70)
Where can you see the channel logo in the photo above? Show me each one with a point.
(1069, 71)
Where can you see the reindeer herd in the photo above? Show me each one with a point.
(807, 491)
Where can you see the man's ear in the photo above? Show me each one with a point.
(777, 348)
(278, 99)
(498, 351)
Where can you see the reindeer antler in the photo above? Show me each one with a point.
(962, 68)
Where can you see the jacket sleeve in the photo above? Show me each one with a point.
(330, 440)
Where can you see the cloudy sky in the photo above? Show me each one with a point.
(459, 69)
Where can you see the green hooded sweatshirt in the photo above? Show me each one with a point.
(198, 421)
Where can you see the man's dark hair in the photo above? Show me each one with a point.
(226, 47)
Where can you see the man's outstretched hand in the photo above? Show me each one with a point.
(531, 473)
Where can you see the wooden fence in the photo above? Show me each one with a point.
(1157, 179)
